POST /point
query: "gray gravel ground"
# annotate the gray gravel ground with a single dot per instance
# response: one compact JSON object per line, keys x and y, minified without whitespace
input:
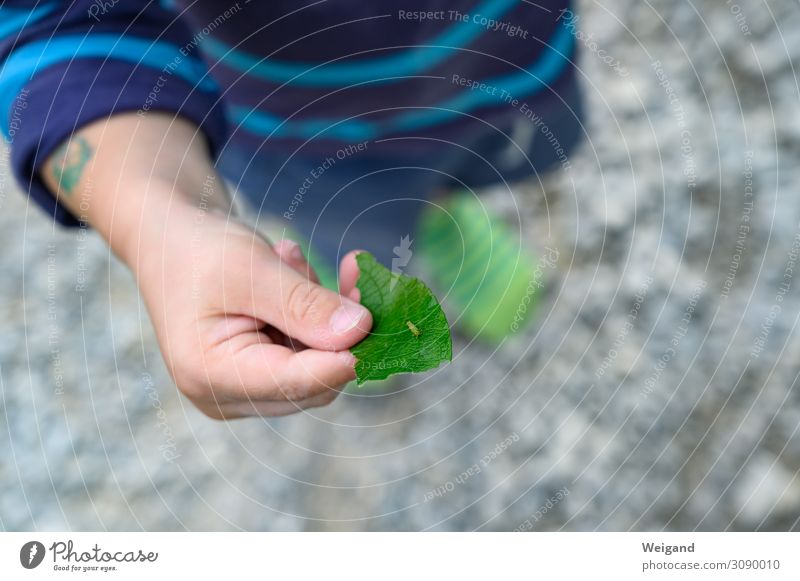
{"x":658,"y":389}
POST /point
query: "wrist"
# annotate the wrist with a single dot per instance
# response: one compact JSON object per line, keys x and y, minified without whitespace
{"x":156,"y":217}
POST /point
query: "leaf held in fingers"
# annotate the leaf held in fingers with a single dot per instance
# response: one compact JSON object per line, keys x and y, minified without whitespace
{"x":409,"y":331}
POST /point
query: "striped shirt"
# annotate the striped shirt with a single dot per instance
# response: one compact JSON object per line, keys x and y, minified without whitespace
{"x":275,"y":75}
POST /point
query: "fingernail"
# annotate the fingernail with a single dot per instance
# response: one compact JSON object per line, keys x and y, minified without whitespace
{"x":346,"y":317}
{"x":295,"y":252}
{"x":347,"y":358}
{"x":289,"y":250}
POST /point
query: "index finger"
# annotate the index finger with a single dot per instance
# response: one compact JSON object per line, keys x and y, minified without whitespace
{"x":270,"y":372}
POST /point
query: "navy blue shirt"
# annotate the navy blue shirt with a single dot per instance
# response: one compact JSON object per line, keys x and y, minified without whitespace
{"x":274,"y":75}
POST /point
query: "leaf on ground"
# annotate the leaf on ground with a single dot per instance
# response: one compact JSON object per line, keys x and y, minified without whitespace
{"x":409,"y":331}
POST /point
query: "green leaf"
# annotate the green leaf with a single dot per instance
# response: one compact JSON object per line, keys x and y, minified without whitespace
{"x":409,"y":331}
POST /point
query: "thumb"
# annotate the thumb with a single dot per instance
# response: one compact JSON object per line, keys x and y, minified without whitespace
{"x":310,"y":313}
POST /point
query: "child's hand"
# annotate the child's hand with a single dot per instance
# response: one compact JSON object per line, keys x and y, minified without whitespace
{"x":245,"y":328}
{"x":223,"y":302}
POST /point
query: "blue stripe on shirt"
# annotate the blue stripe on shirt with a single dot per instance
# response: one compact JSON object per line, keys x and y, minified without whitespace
{"x":519,"y":84}
{"x":13,"y":20}
{"x":28,"y":60}
{"x":410,"y":62}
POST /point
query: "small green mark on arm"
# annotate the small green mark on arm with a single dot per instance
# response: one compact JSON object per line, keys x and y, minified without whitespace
{"x":413,"y":328}
{"x":69,"y":161}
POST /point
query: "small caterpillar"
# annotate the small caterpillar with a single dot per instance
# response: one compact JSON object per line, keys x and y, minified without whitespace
{"x":413,"y":328}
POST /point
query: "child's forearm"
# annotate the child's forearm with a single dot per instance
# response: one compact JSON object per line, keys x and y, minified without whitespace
{"x":126,"y":174}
